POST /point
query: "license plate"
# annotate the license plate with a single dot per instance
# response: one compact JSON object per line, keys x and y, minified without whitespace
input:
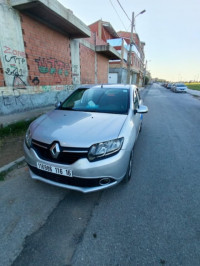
{"x":54,"y":170}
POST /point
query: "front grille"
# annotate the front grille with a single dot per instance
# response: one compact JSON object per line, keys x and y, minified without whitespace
{"x":72,"y":181}
{"x":66,"y":155}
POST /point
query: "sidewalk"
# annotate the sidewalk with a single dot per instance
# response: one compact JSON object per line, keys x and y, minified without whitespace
{"x":193,"y":92}
{"x":13,"y":118}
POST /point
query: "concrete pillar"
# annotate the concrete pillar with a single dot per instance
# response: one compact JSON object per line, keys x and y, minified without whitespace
{"x":100,"y":29}
{"x":75,"y":59}
{"x":95,"y":60}
{"x":12,"y":52}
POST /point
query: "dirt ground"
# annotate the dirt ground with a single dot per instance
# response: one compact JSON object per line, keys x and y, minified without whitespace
{"x":11,"y":148}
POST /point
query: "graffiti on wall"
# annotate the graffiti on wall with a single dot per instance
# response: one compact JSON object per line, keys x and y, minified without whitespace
{"x":14,"y":99}
{"x":16,"y":96}
{"x":15,"y":67}
{"x":54,"y":67}
{"x":36,"y":81}
{"x":76,"y":74}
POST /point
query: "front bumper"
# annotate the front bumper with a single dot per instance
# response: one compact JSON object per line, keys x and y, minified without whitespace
{"x":87,"y":176}
{"x":181,"y":90}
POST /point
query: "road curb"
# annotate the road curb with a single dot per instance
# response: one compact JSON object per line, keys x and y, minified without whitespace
{"x":12,"y":165}
{"x":193,"y":92}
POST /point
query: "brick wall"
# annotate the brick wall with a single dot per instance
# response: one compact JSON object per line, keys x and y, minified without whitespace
{"x":100,"y":41}
{"x":49,"y":60}
{"x":87,"y":65}
{"x":94,"y":27}
{"x":106,"y":35}
{"x":87,"y":62}
{"x":98,"y":26}
{"x":95,"y":40}
{"x":91,"y":39}
{"x":102,"y":65}
{"x":47,"y":54}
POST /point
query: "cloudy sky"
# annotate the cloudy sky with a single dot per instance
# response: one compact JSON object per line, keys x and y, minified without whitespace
{"x":170,"y":29}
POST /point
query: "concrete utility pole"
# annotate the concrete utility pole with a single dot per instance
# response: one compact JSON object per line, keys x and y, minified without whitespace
{"x":128,"y":81}
{"x":144,"y":74}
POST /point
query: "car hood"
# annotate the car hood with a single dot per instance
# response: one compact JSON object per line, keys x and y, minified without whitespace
{"x":77,"y":129}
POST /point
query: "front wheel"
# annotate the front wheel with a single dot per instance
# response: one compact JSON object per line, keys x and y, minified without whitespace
{"x":128,"y":174}
{"x":140,"y":127}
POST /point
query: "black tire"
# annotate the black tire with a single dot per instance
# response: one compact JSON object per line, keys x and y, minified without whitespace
{"x":128,"y":174}
{"x":140,"y":128}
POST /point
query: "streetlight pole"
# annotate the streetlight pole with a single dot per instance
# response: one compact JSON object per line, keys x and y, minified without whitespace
{"x":144,"y":74}
{"x":130,"y":51}
{"x":128,"y":81}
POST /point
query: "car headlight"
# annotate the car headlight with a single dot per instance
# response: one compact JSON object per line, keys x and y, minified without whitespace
{"x":28,"y":138}
{"x":103,"y":149}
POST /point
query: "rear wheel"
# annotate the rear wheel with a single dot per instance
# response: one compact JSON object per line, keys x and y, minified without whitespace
{"x":128,"y":174}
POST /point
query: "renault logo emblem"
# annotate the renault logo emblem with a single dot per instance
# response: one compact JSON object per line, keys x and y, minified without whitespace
{"x":55,"y":150}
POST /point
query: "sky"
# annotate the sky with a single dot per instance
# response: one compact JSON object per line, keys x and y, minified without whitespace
{"x":169,"y":28}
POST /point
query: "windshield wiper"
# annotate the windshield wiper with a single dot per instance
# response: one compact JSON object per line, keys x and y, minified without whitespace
{"x":66,"y":108}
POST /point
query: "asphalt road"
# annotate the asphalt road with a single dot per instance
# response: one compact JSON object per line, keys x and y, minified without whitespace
{"x":154,"y":220}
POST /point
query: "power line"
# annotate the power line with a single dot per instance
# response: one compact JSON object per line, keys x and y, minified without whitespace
{"x":123,"y":10}
{"x":118,"y":15}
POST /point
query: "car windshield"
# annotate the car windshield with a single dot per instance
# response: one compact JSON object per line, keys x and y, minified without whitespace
{"x":102,"y":100}
{"x":180,"y":85}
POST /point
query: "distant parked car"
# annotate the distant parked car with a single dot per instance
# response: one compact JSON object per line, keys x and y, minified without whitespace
{"x":169,"y":86}
{"x":179,"y":87}
{"x":165,"y":85}
{"x":86,"y":143}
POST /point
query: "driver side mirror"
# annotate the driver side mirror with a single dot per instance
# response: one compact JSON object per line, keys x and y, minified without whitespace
{"x":142,"y":109}
{"x":58,"y":104}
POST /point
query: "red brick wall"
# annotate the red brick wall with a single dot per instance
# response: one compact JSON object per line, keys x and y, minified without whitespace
{"x":91,"y":39}
{"x":48,"y":56}
{"x":102,"y":66}
{"x":100,"y":41}
{"x":127,"y":36}
{"x":94,"y":27}
{"x":1,"y":76}
{"x":87,"y":65}
{"x":47,"y":53}
{"x":106,"y":35}
{"x":95,"y":40}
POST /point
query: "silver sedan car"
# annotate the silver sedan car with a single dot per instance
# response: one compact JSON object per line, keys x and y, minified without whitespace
{"x":179,"y":87}
{"x":86,"y":143}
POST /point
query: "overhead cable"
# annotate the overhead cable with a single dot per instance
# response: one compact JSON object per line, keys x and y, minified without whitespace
{"x":124,"y":10}
{"x":118,"y":15}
